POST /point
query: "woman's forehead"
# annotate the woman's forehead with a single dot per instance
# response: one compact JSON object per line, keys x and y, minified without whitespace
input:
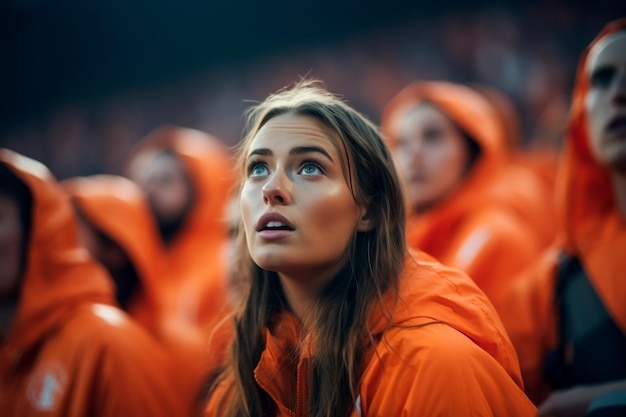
{"x":286,"y":130}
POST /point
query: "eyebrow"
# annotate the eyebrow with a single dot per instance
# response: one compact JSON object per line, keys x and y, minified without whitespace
{"x":295,"y":151}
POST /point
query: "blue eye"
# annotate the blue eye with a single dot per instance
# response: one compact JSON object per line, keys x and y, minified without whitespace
{"x":311,"y":168}
{"x":257,"y":169}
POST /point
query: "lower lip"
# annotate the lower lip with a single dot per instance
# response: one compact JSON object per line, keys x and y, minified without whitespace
{"x":274,"y":234}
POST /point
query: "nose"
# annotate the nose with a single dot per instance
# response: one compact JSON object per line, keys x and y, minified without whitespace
{"x":415,"y":148}
{"x":276,"y":189}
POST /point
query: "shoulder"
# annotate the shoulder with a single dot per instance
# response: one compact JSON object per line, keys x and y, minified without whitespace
{"x":426,"y":343}
{"x":461,"y":378}
{"x":106,"y":329}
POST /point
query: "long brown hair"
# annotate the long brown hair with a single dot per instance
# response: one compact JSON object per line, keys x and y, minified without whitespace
{"x":375,"y":259}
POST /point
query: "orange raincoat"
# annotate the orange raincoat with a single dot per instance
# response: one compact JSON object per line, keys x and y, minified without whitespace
{"x":479,"y":228}
{"x":118,"y":208}
{"x":70,"y":352}
{"x":532,"y":171}
{"x":590,"y":228}
{"x":446,"y":355}
{"x":196,"y":288}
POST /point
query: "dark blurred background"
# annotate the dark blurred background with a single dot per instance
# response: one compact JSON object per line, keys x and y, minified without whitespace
{"x":82,"y":81}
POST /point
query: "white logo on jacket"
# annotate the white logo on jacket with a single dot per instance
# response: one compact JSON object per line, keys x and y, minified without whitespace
{"x":46,"y":387}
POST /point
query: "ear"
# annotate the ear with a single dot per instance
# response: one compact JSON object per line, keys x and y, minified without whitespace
{"x":366,"y":221}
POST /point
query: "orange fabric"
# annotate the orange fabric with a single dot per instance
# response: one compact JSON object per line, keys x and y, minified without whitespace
{"x":117,"y":207}
{"x":590,"y":228}
{"x":479,"y":228}
{"x":69,"y":351}
{"x":196,"y":289}
{"x":532,"y":172}
{"x":455,"y":360}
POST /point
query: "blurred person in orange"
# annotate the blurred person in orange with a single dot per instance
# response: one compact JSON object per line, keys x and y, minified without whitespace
{"x":117,"y":227}
{"x":533,"y":171}
{"x":65,"y":348}
{"x":450,"y":151}
{"x":567,"y":313}
{"x":187,"y":177}
{"x":338,"y":317}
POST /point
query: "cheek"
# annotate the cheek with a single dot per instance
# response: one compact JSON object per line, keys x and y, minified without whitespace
{"x":447,"y":166}
{"x":595,"y":121}
{"x":334,"y":211}
{"x":171,"y":198}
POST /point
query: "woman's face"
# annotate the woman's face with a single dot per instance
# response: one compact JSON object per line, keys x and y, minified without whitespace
{"x":298,"y":211}
{"x":168,"y":188}
{"x":606,"y":102}
{"x":432,"y":155}
{"x":10,"y":244}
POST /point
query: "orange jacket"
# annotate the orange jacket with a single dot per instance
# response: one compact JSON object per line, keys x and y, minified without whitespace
{"x":459,"y":363}
{"x":481,"y":228}
{"x":196,"y":288}
{"x":532,"y":172}
{"x":117,"y":207}
{"x":590,"y":228}
{"x":69,"y":351}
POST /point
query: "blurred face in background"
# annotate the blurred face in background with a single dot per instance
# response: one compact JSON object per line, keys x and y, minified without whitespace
{"x":10,"y":245}
{"x":432,"y":155}
{"x":606,"y":102}
{"x":169,"y":191}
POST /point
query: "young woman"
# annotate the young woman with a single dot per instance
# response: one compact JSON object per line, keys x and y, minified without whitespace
{"x":467,"y":208}
{"x":567,"y":315}
{"x":337,"y":318}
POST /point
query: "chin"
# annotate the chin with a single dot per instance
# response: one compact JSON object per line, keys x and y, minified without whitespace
{"x":270,"y":262}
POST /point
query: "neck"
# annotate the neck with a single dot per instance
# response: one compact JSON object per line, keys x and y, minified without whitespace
{"x":302,"y":292}
{"x":301,"y":298}
{"x":619,"y":188}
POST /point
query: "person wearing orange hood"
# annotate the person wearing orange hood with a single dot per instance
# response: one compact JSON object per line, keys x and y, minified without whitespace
{"x":533,"y":171}
{"x":65,"y":349}
{"x":338,"y":318}
{"x":447,"y":144}
{"x":187,"y":177}
{"x":118,"y":229}
{"x":567,"y":314}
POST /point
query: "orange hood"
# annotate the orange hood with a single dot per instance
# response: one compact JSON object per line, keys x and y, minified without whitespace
{"x":59,"y":275}
{"x":118,"y":208}
{"x":210,"y":167}
{"x":196,"y":264}
{"x":591,"y":227}
{"x":472,"y":113}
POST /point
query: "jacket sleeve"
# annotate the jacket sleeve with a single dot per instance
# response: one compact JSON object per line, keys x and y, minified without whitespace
{"x":435,"y":370}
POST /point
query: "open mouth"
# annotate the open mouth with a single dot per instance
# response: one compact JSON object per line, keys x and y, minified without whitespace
{"x":275,"y":225}
{"x":274,"y":222}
